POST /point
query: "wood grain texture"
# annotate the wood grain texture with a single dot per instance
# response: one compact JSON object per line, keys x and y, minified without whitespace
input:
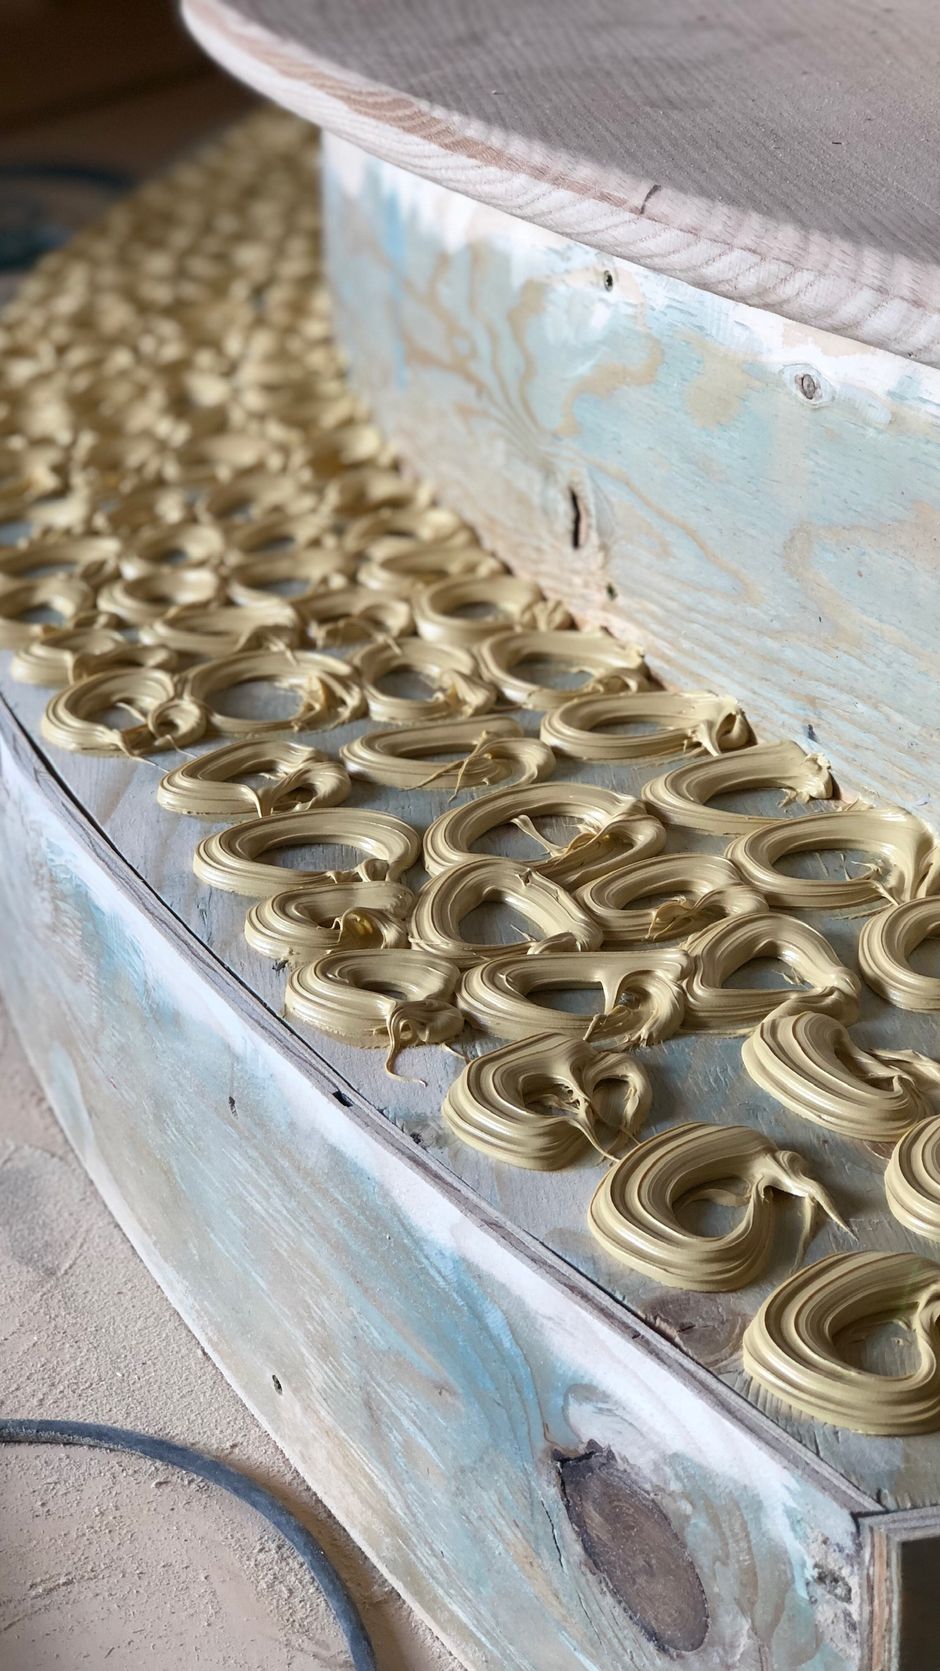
{"x":755,"y":502}
{"x":780,"y":155}
{"x":429,"y":1368}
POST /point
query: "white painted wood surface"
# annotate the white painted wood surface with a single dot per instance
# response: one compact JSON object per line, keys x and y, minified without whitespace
{"x":781,"y":155}
{"x":757,"y":503}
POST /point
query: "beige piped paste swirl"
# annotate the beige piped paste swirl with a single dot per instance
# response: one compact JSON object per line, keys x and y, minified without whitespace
{"x":234,"y":859}
{"x":702,"y":888}
{"x":224,"y":629}
{"x":612,"y":828}
{"x":727,"y":946}
{"x":436,"y":609}
{"x":635,"y":1210}
{"x":354,"y":615}
{"x":72,"y":600}
{"x":682,"y":796}
{"x":453,"y":893}
{"x":641,"y":991}
{"x":495,"y":746}
{"x":884,"y":950}
{"x":67,"y":654}
{"x":541,"y":1102}
{"x":386,"y":999}
{"x":302,"y":923}
{"x":912,"y":1179}
{"x":792,"y":1347}
{"x":458,"y":688}
{"x":683,"y":721}
{"x":906,"y":866}
{"x":166,"y":716}
{"x":810,"y":1063}
{"x":328,"y":693}
{"x":210,"y":787}
{"x":611,"y":666}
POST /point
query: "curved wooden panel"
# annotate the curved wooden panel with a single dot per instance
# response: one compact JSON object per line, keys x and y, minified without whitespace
{"x":446,"y":1384}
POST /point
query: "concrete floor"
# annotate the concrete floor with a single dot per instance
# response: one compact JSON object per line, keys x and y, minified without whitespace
{"x":108,"y":1560}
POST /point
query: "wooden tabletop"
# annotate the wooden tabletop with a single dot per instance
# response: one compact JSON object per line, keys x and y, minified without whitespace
{"x":782,"y":152}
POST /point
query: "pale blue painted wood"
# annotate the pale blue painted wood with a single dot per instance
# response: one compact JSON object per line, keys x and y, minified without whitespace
{"x":757,"y":501}
{"x":433,"y":1366}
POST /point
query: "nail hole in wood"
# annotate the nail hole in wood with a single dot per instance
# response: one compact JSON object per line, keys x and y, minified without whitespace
{"x":611,"y":590}
{"x":632,"y":1544}
{"x":608,"y":281}
{"x":343,"y":1100}
{"x":276,"y":1384}
{"x":807,"y":385}
{"x":232,"y":1109}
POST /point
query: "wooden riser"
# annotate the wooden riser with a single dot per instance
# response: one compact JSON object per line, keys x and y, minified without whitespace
{"x":756,"y":501}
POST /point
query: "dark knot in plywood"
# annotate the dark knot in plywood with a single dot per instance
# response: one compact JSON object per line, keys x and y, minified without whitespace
{"x":632,"y":1544}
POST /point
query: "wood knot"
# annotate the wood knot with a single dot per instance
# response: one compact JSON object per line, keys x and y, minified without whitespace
{"x":632,"y":1544}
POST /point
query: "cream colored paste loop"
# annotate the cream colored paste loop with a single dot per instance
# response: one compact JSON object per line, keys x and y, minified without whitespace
{"x":403,"y":520}
{"x":70,"y":598}
{"x":702,"y":888}
{"x":328,"y":692}
{"x":912,"y":1180}
{"x":211,"y":786}
{"x":437,"y":609}
{"x":296,"y":531}
{"x":452,"y":894}
{"x":726,"y":947}
{"x":682,"y":796}
{"x":906,"y":858}
{"x":399,"y":572}
{"x":641,"y":992}
{"x":541,"y":1102}
{"x":809,"y":1062}
{"x":85,"y":662}
{"x":388,"y":999}
{"x":609,"y":664}
{"x":580,"y":727}
{"x":256,"y":579}
{"x":64,"y":655}
{"x":300,"y":923}
{"x":143,"y":508}
{"x":457,"y":688}
{"x":404,"y":756}
{"x":884,"y":950}
{"x":147,"y":597}
{"x":165,"y":717}
{"x":636,"y":1210}
{"x":91,"y":558}
{"x":235,"y":860}
{"x":612,"y":828}
{"x":224,"y":629}
{"x":253,"y":494}
{"x":176,"y":547}
{"x":793,"y":1347}
{"x":354,"y":615}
